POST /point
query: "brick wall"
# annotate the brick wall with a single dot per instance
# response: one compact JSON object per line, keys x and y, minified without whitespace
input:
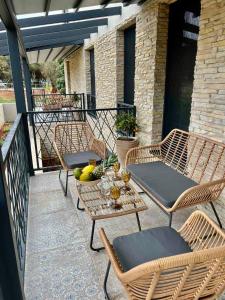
{"x":208,"y":100}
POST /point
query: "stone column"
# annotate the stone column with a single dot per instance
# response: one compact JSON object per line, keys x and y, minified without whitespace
{"x":151,"y":50}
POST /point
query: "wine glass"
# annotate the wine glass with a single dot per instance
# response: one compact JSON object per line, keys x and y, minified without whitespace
{"x":115,"y":194}
{"x":105,"y":186}
{"x":92,"y":162}
{"x":116,"y":168}
{"x":126,"y":178}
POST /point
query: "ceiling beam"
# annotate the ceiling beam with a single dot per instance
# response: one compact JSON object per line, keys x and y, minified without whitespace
{"x":47,"y":7}
{"x":75,"y":42}
{"x":57,"y":42}
{"x":58,"y":54}
{"x":44,"y":39}
{"x":70,"y":51}
{"x":38,"y":55}
{"x":104,"y":3}
{"x":77,"y":4}
{"x":8,"y":18}
{"x":49,"y":53}
{"x":127,"y":2}
{"x":67,"y":17}
{"x":59,"y":28}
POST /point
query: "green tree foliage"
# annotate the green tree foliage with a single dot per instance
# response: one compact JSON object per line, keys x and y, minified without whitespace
{"x":5,"y":69}
{"x":60,"y":82}
{"x":50,"y":72}
{"x":36,"y":72}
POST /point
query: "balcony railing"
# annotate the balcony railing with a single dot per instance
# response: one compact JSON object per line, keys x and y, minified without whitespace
{"x":102,"y":122}
{"x":48,"y":102}
{"x":15,"y":169}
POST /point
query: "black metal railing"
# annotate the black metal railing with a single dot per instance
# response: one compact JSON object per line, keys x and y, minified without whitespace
{"x":49,"y":102}
{"x":15,"y":167}
{"x":43,"y":124}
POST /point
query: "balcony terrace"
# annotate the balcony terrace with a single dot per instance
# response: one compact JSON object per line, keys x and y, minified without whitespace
{"x":59,"y":261}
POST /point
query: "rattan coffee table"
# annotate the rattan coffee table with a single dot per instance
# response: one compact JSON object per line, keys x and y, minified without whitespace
{"x":97,"y":207}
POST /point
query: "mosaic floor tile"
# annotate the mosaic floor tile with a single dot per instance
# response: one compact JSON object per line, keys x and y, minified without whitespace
{"x":59,"y":262}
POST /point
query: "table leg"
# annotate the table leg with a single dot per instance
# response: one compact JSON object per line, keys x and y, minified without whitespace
{"x":92,"y":237}
{"x":78,"y":207}
{"x":138,"y":221}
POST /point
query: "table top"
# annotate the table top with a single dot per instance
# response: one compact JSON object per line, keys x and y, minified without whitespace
{"x":96,"y":205}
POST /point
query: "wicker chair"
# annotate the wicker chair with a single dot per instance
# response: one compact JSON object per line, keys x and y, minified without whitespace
{"x":185,"y":169}
{"x":75,"y":144}
{"x":197,"y":272}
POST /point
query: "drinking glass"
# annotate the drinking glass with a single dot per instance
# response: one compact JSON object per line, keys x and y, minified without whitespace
{"x":115,"y":194}
{"x":92,"y":162}
{"x":105,"y":186}
{"x":126,"y":178}
{"x":116,"y":168}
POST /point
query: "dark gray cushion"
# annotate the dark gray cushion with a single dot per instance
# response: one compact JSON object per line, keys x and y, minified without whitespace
{"x":137,"y":248}
{"x":80,"y":159}
{"x":161,"y":181}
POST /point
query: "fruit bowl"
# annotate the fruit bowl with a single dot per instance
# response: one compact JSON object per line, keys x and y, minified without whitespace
{"x":89,"y":175}
{"x":88,"y":183}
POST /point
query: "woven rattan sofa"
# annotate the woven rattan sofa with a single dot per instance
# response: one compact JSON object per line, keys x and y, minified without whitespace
{"x":161,"y":263}
{"x":185,"y":169}
{"x":75,"y":144}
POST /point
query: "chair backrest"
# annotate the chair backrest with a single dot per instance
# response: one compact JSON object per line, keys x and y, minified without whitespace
{"x":195,"y":156}
{"x":73,"y":137}
{"x":197,"y":274}
{"x":188,"y":276}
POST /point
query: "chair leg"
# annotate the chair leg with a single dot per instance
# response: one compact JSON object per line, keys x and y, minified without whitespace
{"x":216,"y":214}
{"x":60,"y":180}
{"x":170,"y":219}
{"x":138,"y":221}
{"x":105,"y":281}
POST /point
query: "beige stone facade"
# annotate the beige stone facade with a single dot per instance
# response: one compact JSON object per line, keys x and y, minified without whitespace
{"x":208,"y":100}
{"x":75,"y":72}
{"x":151,"y":46}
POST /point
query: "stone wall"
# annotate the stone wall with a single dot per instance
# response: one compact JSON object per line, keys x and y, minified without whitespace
{"x":151,"y":48}
{"x":75,"y":72}
{"x":208,"y":100}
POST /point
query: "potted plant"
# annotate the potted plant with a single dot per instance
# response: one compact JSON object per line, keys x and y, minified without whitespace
{"x":126,"y":126}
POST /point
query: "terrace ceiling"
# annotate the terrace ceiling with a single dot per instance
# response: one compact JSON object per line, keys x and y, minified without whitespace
{"x":50,"y":35}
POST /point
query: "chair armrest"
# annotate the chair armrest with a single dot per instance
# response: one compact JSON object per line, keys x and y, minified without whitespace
{"x":201,"y":233}
{"x":143,"y":154}
{"x":99,"y":147}
{"x":201,"y":193}
{"x":59,"y":156}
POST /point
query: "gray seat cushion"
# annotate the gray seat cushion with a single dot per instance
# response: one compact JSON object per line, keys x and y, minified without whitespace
{"x":137,"y":248}
{"x":80,"y":159}
{"x":163,"y":182}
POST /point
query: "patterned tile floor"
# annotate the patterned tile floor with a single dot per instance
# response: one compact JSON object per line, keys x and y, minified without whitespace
{"x":59,"y":263}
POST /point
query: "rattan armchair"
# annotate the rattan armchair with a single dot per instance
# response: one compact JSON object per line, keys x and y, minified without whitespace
{"x":184,"y":170}
{"x":197,"y":274}
{"x":75,"y":144}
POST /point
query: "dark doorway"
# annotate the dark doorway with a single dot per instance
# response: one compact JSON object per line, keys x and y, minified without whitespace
{"x":181,"y":56}
{"x":129,"y":64}
{"x":92,"y":71}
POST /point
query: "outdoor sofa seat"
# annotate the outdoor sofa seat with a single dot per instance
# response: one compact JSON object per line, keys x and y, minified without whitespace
{"x":184,"y":170}
{"x":75,"y":144}
{"x":165,"y":183}
{"x":162,"y":263}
